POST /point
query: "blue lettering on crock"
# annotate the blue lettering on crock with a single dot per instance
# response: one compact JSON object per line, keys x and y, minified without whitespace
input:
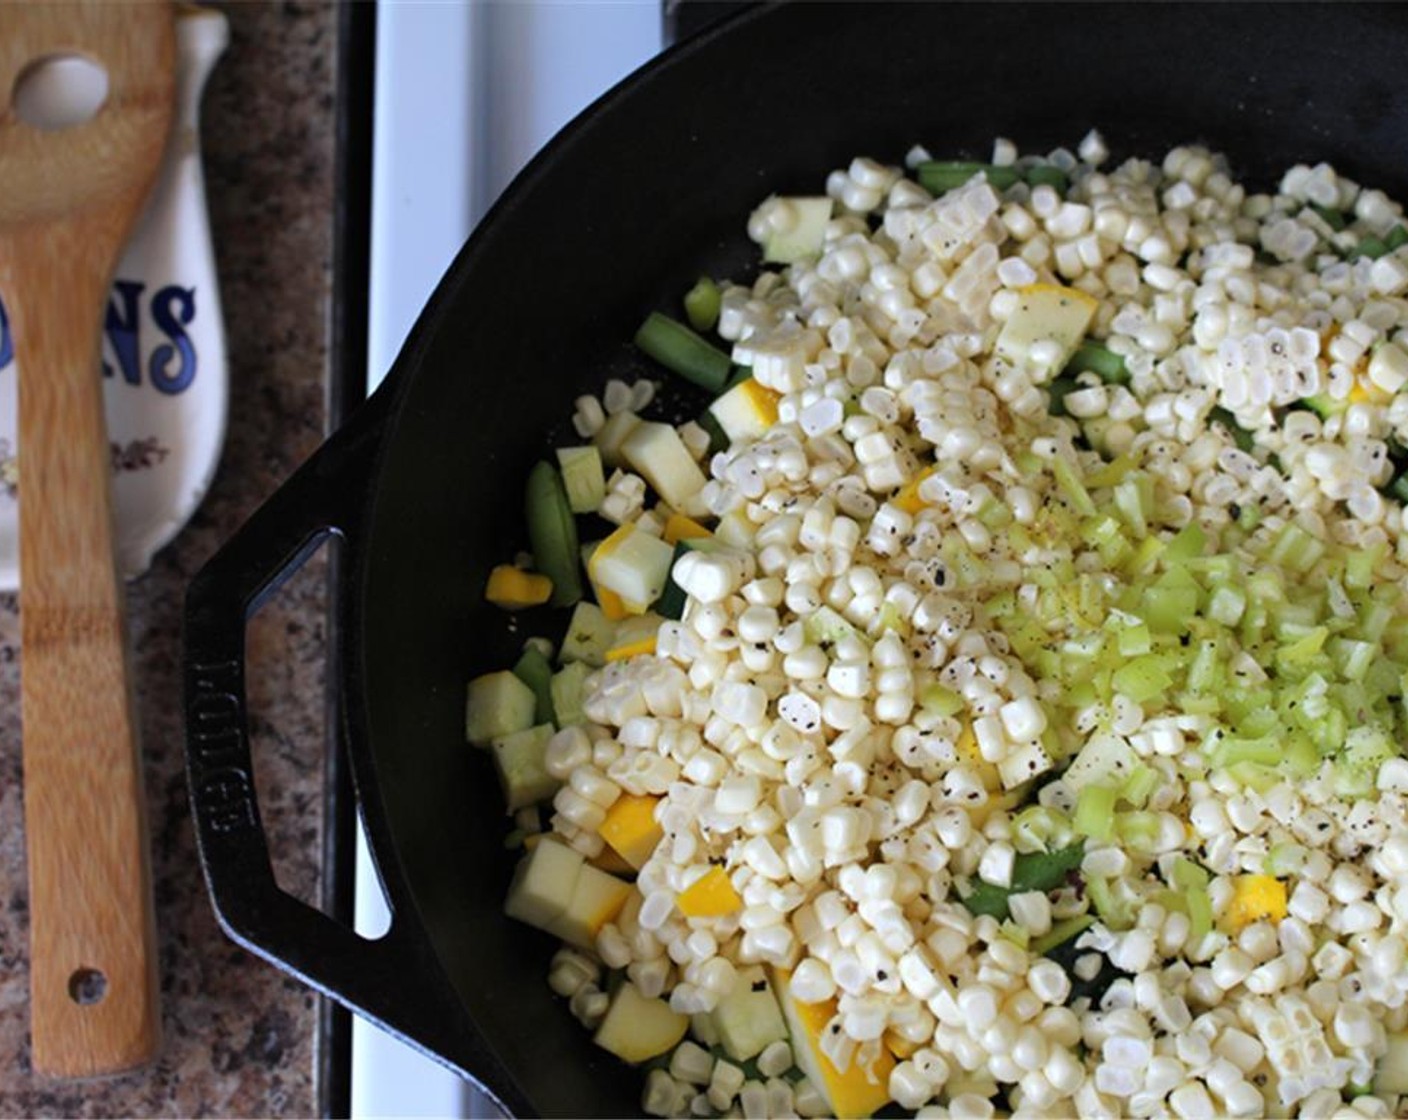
{"x":172,"y":309}
{"x":7,"y":346}
{"x":172,"y":365}
{"x":121,"y":325}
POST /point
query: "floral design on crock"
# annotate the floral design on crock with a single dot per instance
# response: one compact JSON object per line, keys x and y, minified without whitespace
{"x":137,"y":455}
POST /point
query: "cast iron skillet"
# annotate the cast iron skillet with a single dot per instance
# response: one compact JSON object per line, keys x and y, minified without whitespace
{"x":649,"y":187}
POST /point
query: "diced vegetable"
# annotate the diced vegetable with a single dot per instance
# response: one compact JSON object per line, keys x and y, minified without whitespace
{"x":681,"y":528}
{"x":1254,"y":898}
{"x":582,"y":477}
{"x":852,"y":1093}
{"x":712,"y":895}
{"x":637,"y":647}
{"x":797,"y":229}
{"x":568,"y":688}
{"x":589,"y":635}
{"x":552,"y":532}
{"x":631,"y":828}
{"x":747,"y":411}
{"x":658,"y":455}
{"x":597,"y":897}
{"x":633,"y":564}
{"x":518,"y":758}
{"x":1045,"y":327}
{"x":637,"y":1029}
{"x":543,"y":883}
{"x":497,"y":704}
{"x":749,"y":1019}
{"x":513,"y":589}
{"x":612,"y":435}
{"x":680,"y":350}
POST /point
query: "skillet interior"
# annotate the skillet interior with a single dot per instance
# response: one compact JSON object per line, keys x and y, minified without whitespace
{"x":622,"y":213}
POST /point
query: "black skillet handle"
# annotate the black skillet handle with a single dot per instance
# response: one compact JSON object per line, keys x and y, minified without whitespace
{"x":324,"y":497}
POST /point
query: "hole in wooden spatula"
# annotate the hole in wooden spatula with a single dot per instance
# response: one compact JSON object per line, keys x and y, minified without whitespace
{"x":60,"y":91}
{"x":87,"y":986}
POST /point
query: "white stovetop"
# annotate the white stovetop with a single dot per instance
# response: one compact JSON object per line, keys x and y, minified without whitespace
{"x":465,"y":94}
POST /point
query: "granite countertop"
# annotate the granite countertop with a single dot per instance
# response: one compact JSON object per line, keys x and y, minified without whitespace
{"x":240,"y":1037}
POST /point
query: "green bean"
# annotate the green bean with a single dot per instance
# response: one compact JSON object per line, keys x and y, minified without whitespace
{"x":553,"y":533}
{"x":534,"y":671}
{"x":939,"y":176}
{"x":1031,"y":871}
{"x":1048,"y":175}
{"x":1093,"y":357}
{"x":680,"y":350}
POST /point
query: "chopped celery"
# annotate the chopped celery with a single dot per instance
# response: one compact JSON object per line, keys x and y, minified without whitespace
{"x":1016,"y":934}
{"x":1115,"y":907}
{"x":1060,"y":933}
{"x":1359,"y":566}
{"x":825,"y":627}
{"x":1296,"y":549}
{"x":1138,"y":829}
{"x":1039,"y":826}
{"x":1254,"y":776}
{"x":1095,"y":812}
{"x":1134,"y":501}
{"x":1227,"y":751}
{"x":1186,"y":544}
{"x":1139,"y":785}
{"x":1111,"y":473}
{"x":1142,"y":678}
{"x":1187,"y":875}
{"x":1199,"y":913}
{"x":1168,"y":606}
{"x":1134,"y":640}
{"x":1068,"y":479}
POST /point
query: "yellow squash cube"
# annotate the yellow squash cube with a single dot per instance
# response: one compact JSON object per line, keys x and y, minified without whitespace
{"x":746,"y":411}
{"x":513,"y":589}
{"x":1254,"y":898}
{"x":853,"y":1093}
{"x":710,"y":896}
{"x":630,"y":828}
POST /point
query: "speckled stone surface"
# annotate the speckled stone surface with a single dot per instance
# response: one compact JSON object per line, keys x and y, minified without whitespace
{"x":239,"y":1036}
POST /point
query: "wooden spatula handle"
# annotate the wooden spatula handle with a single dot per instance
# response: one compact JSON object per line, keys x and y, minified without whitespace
{"x":93,"y":976}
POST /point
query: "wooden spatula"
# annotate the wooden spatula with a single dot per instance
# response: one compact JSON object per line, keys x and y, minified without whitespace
{"x":68,"y":199}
